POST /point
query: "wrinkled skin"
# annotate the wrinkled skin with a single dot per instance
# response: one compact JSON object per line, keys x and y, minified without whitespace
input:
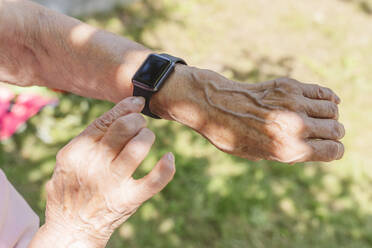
{"x":282,"y":120}
{"x":92,"y":190}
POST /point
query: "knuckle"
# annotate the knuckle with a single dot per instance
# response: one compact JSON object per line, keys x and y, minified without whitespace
{"x":289,"y":85}
{"x":319,"y":92}
{"x":323,"y":92}
{"x":298,"y":104}
{"x":286,"y":122}
{"x":287,"y":80}
{"x":280,"y":82}
{"x":115,"y":112}
{"x":105,"y":121}
{"x":291,"y":150}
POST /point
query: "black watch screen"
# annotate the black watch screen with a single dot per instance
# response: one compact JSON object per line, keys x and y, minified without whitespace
{"x":152,"y":70}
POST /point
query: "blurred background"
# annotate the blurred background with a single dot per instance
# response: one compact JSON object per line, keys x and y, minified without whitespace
{"x":217,"y":200}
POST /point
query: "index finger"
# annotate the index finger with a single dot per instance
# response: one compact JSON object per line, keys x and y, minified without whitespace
{"x":98,"y":128}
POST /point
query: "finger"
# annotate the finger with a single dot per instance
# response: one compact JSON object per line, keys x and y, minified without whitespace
{"x":156,"y":180}
{"x":97,"y":129}
{"x":321,"y":109}
{"x":121,"y":131}
{"x":324,"y":129}
{"x":315,"y":91}
{"x":133,"y":154}
{"x":325,"y":150}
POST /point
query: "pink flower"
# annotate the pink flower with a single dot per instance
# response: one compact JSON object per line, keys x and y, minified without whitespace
{"x":12,"y":116}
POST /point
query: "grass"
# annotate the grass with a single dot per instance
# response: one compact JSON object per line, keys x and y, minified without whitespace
{"x":217,"y":200}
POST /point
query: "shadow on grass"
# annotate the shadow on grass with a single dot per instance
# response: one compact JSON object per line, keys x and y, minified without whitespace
{"x":364,"y":5}
{"x":215,"y":200}
{"x":138,"y":17}
{"x":264,"y":68}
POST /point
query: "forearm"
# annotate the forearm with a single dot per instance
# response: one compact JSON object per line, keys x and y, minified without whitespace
{"x":57,"y":51}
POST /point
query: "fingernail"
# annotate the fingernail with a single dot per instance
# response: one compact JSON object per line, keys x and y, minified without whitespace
{"x":138,"y":100}
{"x":170,"y":156}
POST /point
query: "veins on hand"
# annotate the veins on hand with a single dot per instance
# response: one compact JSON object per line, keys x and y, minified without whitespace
{"x":241,"y":110}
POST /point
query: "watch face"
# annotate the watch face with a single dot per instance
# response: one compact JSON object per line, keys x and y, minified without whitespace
{"x":152,"y":70}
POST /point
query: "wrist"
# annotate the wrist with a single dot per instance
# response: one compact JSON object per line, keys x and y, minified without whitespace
{"x":167,"y":102}
{"x":183,"y":97}
{"x":61,"y":236}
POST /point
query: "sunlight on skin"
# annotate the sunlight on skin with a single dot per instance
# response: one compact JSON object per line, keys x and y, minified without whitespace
{"x":221,"y":134}
{"x":81,"y":34}
{"x":289,"y":123}
{"x":133,"y":59}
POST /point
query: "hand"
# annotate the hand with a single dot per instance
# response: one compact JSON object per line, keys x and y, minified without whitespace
{"x":92,"y":190}
{"x":282,"y":119}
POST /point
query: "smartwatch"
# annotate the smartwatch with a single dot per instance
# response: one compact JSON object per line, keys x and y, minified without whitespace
{"x":151,"y":76}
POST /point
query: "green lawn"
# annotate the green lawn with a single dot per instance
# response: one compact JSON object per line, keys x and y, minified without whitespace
{"x":217,"y":200}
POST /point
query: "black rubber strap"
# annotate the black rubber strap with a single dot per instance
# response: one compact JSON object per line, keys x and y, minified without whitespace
{"x":137,"y":91}
{"x":174,"y":59}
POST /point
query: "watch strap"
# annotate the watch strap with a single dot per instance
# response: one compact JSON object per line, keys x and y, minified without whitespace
{"x":137,"y":91}
{"x":173,"y":59}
